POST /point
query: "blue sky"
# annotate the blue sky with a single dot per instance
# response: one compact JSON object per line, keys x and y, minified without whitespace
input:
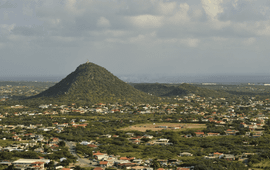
{"x":154,"y":37}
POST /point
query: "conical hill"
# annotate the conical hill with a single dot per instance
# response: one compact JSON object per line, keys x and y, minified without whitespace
{"x":93,"y":83}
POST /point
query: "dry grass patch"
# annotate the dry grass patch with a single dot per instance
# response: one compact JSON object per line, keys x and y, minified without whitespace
{"x":157,"y":126}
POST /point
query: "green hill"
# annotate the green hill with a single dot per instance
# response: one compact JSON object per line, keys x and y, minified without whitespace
{"x":169,"y":90}
{"x":92,"y":83}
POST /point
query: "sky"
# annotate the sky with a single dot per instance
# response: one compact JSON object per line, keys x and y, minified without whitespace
{"x":135,"y":37}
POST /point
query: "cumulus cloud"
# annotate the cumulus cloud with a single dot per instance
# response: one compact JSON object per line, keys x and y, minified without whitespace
{"x":191,"y":42}
{"x":27,"y":10}
{"x":146,"y":30}
{"x":103,"y":22}
{"x":212,"y":7}
{"x":249,"y":41}
{"x":146,"y":21}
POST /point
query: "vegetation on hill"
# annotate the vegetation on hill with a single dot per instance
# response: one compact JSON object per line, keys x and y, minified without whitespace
{"x":260,"y":91}
{"x":178,"y":90}
{"x":91,"y":83}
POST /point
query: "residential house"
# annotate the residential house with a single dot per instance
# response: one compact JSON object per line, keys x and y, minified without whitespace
{"x":30,"y":164}
{"x":199,"y":134}
{"x":99,"y":155}
{"x":229,"y":157}
{"x":213,"y":134}
{"x":185,"y":154}
{"x":231,"y":132}
{"x":103,"y":164}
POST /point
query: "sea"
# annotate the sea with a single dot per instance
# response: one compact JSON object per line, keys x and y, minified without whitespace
{"x":219,"y":79}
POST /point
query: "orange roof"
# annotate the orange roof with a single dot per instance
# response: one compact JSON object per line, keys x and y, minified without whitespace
{"x":216,"y":153}
{"x":103,"y":162}
{"x":180,"y":168}
{"x":123,"y":158}
{"x":98,"y":168}
{"x":199,"y":133}
{"x":98,"y":153}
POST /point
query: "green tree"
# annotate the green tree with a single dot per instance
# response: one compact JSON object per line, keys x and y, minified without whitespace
{"x":62,"y":144}
{"x":155,"y":164}
{"x":50,"y":165}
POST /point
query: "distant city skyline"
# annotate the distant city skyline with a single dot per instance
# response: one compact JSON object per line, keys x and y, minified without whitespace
{"x":135,"y":37}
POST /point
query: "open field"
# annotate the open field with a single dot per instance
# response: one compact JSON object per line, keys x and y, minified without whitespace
{"x":262,"y":165}
{"x":170,"y":126}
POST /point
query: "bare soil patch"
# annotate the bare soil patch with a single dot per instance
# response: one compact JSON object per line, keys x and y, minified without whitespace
{"x":161,"y":126}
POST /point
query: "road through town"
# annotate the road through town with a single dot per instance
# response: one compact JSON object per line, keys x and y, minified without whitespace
{"x":83,"y":162}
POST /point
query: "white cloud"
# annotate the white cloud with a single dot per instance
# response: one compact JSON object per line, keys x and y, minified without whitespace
{"x":6,"y":29}
{"x":249,"y":41}
{"x":181,"y":15}
{"x":235,"y":3}
{"x":212,"y":7}
{"x":27,"y":10}
{"x":136,"y":28}
{"x":5,"y":16}
{"x":145,"y":39}
{"x":191,"y":42}
{"x":103,"y":22}
{"x":197,"y":13}
{"x":166,"y":8}
{"x":262,"y":28}
{"x":146,"y":21}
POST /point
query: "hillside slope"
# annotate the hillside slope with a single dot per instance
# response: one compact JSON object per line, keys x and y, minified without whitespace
{"x":93,"y":83}
{"x":163,"y":90}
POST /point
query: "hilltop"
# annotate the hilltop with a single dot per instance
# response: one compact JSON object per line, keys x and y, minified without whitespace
{"x":92,"y":83}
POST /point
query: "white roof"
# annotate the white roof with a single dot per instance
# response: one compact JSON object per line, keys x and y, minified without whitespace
{"x":29,"y":161}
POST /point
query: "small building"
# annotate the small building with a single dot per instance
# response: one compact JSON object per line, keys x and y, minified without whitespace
{"x":185,"y":154}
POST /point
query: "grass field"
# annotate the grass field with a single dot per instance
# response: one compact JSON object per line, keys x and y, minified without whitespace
{"x":262,"y":165}
{"x":154,"y":127}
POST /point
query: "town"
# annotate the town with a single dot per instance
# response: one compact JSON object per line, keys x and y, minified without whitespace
{"x":168,"y":135}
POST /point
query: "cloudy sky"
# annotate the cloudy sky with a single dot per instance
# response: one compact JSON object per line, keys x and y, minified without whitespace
{"x":148,"y":37}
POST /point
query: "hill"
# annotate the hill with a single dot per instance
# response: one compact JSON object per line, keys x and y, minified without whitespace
{"x":169,"y":90}
{"x":92,"y":83}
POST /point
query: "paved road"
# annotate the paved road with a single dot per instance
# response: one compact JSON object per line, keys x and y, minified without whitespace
{"x":83,"y":162}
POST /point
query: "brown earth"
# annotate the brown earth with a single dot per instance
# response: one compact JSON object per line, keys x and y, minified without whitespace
{"x":154,"y":126}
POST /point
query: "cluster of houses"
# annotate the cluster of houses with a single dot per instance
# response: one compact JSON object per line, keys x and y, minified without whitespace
{"x":33,"y":141}
{"x":104,"y":161}
{"x":252,"y":115}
